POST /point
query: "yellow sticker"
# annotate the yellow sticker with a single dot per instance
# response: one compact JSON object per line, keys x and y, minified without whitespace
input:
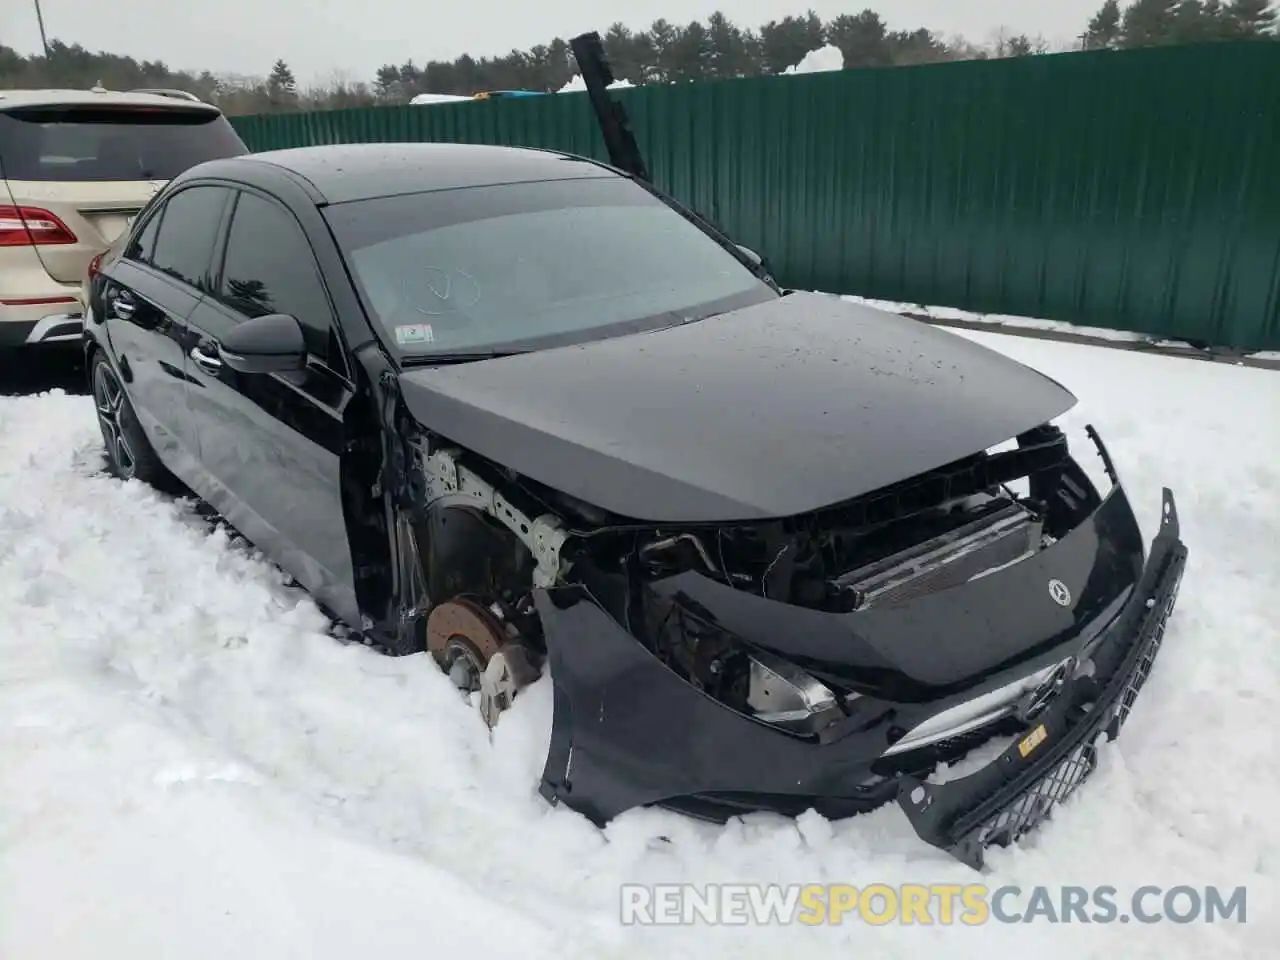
{"x":1032,"y":740}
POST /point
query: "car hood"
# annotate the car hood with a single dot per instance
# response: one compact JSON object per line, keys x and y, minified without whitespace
{"x":769,"y":411}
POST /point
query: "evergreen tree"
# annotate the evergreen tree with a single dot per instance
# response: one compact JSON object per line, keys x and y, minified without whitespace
{"x":728,"y":54}
{"x":560,"y":65}
{"x":439,"y":76}
{"x":663,"y":37}
{"x":645,"y":51}
{"x":1148,"y":23}
{"x":690,"y":54}
{"x":907,"y":47}
{"x":620,"y":49}
{"x":1214,"y":19}
{"x":784,"y":43}
{"x":1250,"y":18}
{"x":861,"y":38}
{"x":1020,"y":45}
{"x":282,"y":88}
{"x":281,"y":78}
{"x":1199,"y":21}
{"x":387,"y":82}
{"x":1104,"y":29}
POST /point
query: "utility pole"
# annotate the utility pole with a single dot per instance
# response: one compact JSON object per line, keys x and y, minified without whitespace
{"x":44,"y":41}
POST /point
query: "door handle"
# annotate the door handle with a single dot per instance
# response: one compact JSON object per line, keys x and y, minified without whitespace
{"x":206,"y":362}
{"x":122,"y":305}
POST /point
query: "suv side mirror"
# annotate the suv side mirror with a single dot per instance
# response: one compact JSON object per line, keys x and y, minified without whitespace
{"x":273,"y":343}
{"x":751,"y":255}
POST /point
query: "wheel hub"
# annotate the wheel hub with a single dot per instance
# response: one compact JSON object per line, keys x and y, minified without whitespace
{"x":463,"y":636}
{"x":480,"y":653}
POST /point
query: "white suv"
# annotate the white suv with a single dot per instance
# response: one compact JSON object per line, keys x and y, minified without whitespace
{"x":75,"y":167}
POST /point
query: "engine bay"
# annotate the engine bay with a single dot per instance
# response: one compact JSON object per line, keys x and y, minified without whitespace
{"x":945,"y":528}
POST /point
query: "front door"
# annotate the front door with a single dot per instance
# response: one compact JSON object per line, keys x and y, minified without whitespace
{"x":271,"y":444}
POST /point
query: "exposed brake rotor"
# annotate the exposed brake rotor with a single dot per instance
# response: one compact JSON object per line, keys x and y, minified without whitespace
{"x":479,"y":652}
{"x":463,"y":625}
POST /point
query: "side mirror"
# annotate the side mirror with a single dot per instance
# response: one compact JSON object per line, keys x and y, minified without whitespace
{"x":269,"y":344}
{"x":751,"y":255}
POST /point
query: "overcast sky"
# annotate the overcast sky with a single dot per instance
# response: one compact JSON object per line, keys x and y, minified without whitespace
{"x":353,"y":37}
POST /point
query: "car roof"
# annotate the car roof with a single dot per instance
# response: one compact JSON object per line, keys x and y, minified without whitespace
{"x":97,"y":97}
{"x":341,"y":173}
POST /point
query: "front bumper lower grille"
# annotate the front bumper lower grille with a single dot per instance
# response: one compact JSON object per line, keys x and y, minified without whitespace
{"x":1007,"y":799}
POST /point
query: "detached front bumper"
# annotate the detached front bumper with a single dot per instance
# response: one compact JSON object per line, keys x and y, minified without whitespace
{"x":629,"y":732}
{"x":1006,"y":799}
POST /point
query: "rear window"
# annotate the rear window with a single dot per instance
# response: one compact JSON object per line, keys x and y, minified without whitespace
{"x":117,"y":143}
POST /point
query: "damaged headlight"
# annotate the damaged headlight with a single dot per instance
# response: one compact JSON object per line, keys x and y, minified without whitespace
{"x":752,"y":681}
{"x":782,"y":694}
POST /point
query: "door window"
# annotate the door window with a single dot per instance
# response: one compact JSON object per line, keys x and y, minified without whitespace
{"x":143,"y":245}
{"x":270,"y":268}
{"x":188,"y":229}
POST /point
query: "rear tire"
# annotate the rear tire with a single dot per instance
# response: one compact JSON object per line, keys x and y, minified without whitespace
{"x":129,"y":453}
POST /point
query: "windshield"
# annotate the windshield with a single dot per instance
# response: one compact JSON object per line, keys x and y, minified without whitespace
{"x":111,"y":143}
{"x":530,"y":265}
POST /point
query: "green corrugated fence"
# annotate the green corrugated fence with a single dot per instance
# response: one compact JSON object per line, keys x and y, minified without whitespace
{"x":1135,"y":190}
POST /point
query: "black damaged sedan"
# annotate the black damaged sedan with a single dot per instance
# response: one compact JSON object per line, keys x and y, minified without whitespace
{"x":522,"y":411}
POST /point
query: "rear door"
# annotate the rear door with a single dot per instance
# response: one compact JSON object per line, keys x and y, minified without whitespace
{"x":272,"y":443}
{"x":92,"y":167}
{"x":148,"y":294}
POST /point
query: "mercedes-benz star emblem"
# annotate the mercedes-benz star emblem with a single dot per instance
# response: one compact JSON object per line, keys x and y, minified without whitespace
{"x":1059,"y":592}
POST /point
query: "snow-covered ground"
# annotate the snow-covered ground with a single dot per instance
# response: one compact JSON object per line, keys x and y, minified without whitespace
{"x":999,"y":320}
{"x":1013,"y":324}
{"x":190,"y":767}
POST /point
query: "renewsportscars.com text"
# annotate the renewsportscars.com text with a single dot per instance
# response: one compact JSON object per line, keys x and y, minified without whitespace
{"x":925,"y":904}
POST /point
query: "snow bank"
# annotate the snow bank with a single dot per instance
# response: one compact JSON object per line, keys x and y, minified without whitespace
{"x":427,"y":99}
{"x":819,"y":61}
{"x":577,"y":83}
{"x":190,"y":766}
{"x":996,"y":321}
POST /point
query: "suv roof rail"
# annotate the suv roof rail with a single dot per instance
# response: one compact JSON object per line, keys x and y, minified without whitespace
{"x":166,"y":92}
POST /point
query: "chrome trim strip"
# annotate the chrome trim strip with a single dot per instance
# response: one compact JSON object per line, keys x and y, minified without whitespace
{"x":972,"y":714}
{"x":39,"y":332}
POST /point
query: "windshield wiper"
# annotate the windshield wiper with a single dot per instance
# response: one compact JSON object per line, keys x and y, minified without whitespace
{"x":440,"y":359}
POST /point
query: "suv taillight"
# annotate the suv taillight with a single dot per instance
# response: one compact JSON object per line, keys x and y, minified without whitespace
{"x":94,"y":266}
{"x":28,"y":226}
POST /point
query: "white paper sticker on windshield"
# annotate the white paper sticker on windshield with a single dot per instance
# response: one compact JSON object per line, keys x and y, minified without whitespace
{"x":412,"y":333}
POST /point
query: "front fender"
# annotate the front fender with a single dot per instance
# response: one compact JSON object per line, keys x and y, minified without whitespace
{"x":628,"y":731}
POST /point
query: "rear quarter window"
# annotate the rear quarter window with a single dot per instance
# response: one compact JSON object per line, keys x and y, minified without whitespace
{"x":125,"y":143}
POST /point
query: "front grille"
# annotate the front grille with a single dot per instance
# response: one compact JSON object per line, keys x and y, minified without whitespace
{"x":1145,"y":662}
{"x":1036,"y":802}
{"x":1036,"y":805}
